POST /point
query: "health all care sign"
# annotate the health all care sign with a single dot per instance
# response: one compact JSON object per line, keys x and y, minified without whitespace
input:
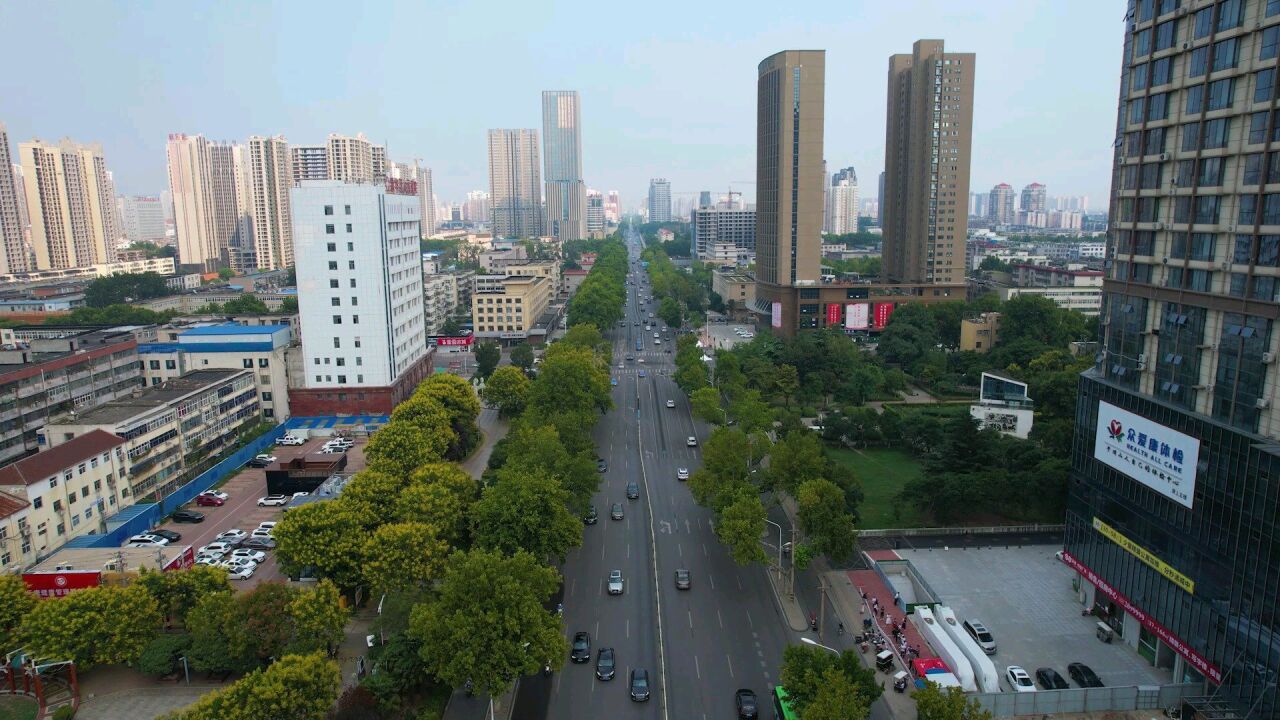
{"x":1156,"y":456}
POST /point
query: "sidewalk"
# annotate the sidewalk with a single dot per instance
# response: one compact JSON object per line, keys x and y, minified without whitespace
{"x":494,"y":429}
{"x":846,"y":601}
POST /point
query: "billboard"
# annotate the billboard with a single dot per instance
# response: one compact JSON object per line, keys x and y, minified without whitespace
{"x":833,"y":314}
{"x":777,"y":315}
{"x":57,"y":584}
{"x":445,"y":341}
{"x":183,"y":560}
{"x":881,"y":314}
{"x":1156,"y":456}
{"x":856,"y":316}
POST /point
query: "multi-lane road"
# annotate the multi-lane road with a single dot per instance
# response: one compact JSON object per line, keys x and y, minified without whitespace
{"x":698,"y":645}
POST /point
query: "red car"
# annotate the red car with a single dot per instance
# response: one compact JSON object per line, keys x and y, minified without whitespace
{"x":209,"y":501}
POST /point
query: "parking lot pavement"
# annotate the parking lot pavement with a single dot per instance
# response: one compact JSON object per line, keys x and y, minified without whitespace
{"x":1024,"y":597}
{"x":723,"y":335}
{"x":241,"y":509}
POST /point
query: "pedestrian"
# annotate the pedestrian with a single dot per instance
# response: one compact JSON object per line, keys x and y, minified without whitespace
{"x":897,"y":598}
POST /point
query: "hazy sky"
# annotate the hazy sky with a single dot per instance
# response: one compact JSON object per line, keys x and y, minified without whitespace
{"x":668,"y":88}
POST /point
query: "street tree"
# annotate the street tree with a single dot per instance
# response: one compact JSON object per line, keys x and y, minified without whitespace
{"x":404,"y":556}
{"x":750,"y":412}
{"x":740,"y":526}
{"x":827,"y":526}
{"x":459,"y":400}
{"x":398,"y":448}
{"x":934,"y":703}
{"x":570,"y":380}
{"x":15,"y":602}
{"x":786,"y":382}
{"x":176,"y":592}
{"x":326,"y":538}
{"x":587,"y":336}
{"x":526,"y":511}
{"x":805,"y":672}
{"x":670,"y":313}
{"x":795,"y":459}
{"x":318,"y":620}
{"x":705,"y":403}
{"x":507,"y":390}
{"x":105,"y":625}
{"x":365,"y":497}
{"x":263,"y":625}
{"x":837,"y":698}
{"x":295,"y":687}
{"x":125,"y":288}
{"x":210,"y":622}
{"x":441,"y":495}
{"x":487,"y":623}
{"x":522,"y":356}
{"x":539,"y":450}
{"x":488,"y":355}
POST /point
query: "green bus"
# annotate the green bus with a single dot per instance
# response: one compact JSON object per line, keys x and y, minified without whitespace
{"x":781,"y":708}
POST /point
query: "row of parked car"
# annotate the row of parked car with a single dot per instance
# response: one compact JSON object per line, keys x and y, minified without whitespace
{"x":238,"y":551}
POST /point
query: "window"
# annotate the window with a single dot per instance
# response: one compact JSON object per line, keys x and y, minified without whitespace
{"x":170,"y":364}
{"x":337,"y":319}
{"x":335,"y":301}
{"x":1268,"y":41}
{"x":1168,"y":6}
{"x":1166,"y":33}
{"x":328,"y":209}
{"x":1158,"y":107}
{"x":1133,"y":143}
{"x":355,"y":319}
{"x":1263,"y":85}
{"x":351,"y":247}
{"x":1151,"y":174}
{"x":342,"y":379}
{"x":1186,"y":173}
{"x":1271,"y":209}
{"x":1190,"y":136}
{"x":1211,"y":171}
{"x":1146,"y":10}
{"x":1161,"y":72}
{"x":246,"y":363}
{"x":333,"y":264}
{"x":1203,"y":23}
{"x":333,"y":282}
{"x":351,"y":264}
{"x":266,"y":396}
{"x":264,"y":362}
{"x":1269,"y":250}
{"x":1137,"y":108}
{"x":1248,"y":210}
{"x":1198,"y":62}
{"x":348,"y":227}
{"x":1230,"y":14}
{"x":331,"y":247}
{"x":1142,"y":43}
{"x":1154,"y":141}
{"x":1129,"y":178}
{"x":1202,"y":246}
{"x":1148,"y":209}
{"x":1252,"y":169}
{"x":1138,"y":77}
{"x":1273,"y":8}
{"x":1216,"y":133}
{"x":353,"y":282}
{"x":1226,"y":54}
{"x":37,"y":503}
{"x":328,"y":229}
{"x":155,"y":364}
{"x":355,"y":300}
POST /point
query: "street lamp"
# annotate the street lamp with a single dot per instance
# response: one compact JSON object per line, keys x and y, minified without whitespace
{"x":779,"y":544}
{"x":811,"y":641}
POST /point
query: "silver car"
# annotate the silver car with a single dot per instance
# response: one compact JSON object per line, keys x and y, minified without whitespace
{"x":981,"y":635}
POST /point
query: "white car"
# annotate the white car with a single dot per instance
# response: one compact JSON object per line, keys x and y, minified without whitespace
{"x":262,"y":533}
{"x":232,"y":561}
{"x":671,"y":403}
{"x":341,"y":442}
{"x":215,"y":547}
{"x":691,"y":441}
{"x":657,"y":341}
{"x":273,"y":501}
{"x":682,"y":474}
{"x":209,"y":560}
{"x":615,"y":582}
{"x":217,"y":494}
{"x":146,"y":540}
{"x":242,"y":572}
{"x":267,"y":525}
{"x":255,"y":556}
{"x":1018,"y":679}
{"x":232,"y":536}
{"x":291,"y":440}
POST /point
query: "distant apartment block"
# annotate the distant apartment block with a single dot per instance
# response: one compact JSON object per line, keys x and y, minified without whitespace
{"x":71,"y":203}
{"x":509,"y":307}
{"x":979,"y":334}
{"x":1000,"y":207}
{"x":659,"y":200}
{"x":224,"y":346}
{"x":309,"y":162}
{"x":142,"y":218}
{"x":13,"y":212}
{"x":724,"y":235}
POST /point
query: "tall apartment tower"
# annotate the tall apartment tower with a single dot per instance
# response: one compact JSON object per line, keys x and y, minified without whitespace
{"x":842,"y":205}
{"x":309,"y":162}
{"x":1000,"y":206}
{"x":71,"y":203}
{"x":142,"y":218}
{"x":270,"y":177}
{"x":928,"y":136}
{"x":790,"y":101}
{"x":426,"y":199}
{"x":13,"y":250}
{"x":612,"y":207}
{"x":1173,"y":508}
{"x":595,"y":213}
{"x":659,"y":200}
{"x":515,"y":188}
{"x":562,"y":164}
{"x":1035,"y":198}
{"x":351,"y":159}
{"x":207,"y":183}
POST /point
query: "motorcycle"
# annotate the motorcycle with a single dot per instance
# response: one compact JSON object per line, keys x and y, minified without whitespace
{"x":546,"y":669}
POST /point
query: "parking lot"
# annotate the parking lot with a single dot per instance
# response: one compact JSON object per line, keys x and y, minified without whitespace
{"x":1024,"y":597}
{"x":724,"y":335}
{"x":241,"y":508}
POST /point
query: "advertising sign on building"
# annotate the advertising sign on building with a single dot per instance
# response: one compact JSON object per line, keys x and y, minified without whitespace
{"x":881,"y":315}
{"x":833,"y":314}
{"x":455,"y":341}
{"x":1156,"y":456}
{"x":184,"y":560}
{"x":856,"y":316}
{"x":57,"y":584}
{"x":777,"y":315}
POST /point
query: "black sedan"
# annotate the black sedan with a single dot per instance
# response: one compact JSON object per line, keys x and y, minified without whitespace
{"x":1084,"y":676}
{"x":169,"y":535}
{"x":581,"y":648}
{"x":683,"y":580}
{"x":601,"y":465}
{"x":188,"y":516}
{"x":745,"y":700}
{"x":639,"y":685}
{"x":633,"y":490}
{"x":591,"y":516}
{"x":605,"y":664}
{"x":1049,"y":679}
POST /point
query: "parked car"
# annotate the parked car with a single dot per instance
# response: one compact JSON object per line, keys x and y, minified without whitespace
{"x":233,"y":536}
{"x":273,"y":501}
{"x":745,"y":701}
{"x":215,"y":494}
{"x":146,"y":539}
{"x":615,"y":582}
{"x":633,"y":490}
{"x":639,"y":685}
{"x":267,"y":525}
{"x":169,"y":535}
{"x":1018,"y":679}
{"x":188,"y":516}
{"x":682,"y":474}
{"x":691,"y":441}
{"x":259,"y":543}
{"x":980,"y":635}
{"x":1050,"y":679}
{"x":581,"y":651}
{"x":256,"y":556}
{"x":591,"y":516}
{"x":291,"y":440}
{"x":1084,"y":676}
{"x":605,"y":664}
{"x":241,"y":572}
{"x":209,"y":501}
{"x":209,"y":560}
{"x":261,"y":461}
{"x":683,"y":579}
{"x":615,"y":512}
{"x":216,"y":547}
{"x":262,"y":533}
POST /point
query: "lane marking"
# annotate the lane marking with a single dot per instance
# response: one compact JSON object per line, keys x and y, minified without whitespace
{"x":690,"y":614}
{"x":730,"y":661}
{"x":679,"y":550}
{"x":719,"y":619}
{"x":657,"y":586}
{"x":628,"y":628}
{"x":697,"y":669}
{"x":704,"y":550}
{"x":711,"y":580}
{"x":749,"y":621}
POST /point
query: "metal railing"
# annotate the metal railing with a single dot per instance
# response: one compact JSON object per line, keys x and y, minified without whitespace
{"x":1081,"y":700}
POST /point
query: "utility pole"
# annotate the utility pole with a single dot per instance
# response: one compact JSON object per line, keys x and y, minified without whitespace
{"x":822,"y":605}
{"x":791,"y":592}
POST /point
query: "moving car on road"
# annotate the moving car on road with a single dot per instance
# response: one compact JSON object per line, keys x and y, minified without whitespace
{"x":671,"y":403}
{"x":682,"y":474}
{"x":605,"y":664}
{"x":591,"y":516}
{"x":633,"y":490}
{"x":639,"y":685}
{"x":615,"y":582}
{"x":581,"y":648}
{"x":691,"y":441}
{"x":615,"y":512}
{"x":683,"y":580}
{"x":745,"y":701}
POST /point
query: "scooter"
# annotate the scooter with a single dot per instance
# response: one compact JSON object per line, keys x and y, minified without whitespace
{"x":546,"y":669}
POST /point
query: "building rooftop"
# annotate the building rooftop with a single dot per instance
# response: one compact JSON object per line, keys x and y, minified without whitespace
{"x":1060,"y":271}
{"x":235,"y":329}
{"x":151,"y":398}
{"x":10,"y":505}
{"x":47,"y":463}
{"x":111,"y":559}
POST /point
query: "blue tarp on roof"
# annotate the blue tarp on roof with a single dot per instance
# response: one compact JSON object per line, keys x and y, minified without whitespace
{"x":234,"y":329}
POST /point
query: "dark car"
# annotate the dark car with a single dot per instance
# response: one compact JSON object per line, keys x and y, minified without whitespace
{"x":1084,"y":676}
{"x":605,"y":664}
{"x":169,"y":535}
{"x":209,"y":501}
{"x":639,"y":685}
{"x":745,"y":700}
{"x":591,"y":516}
{"x":683,"y":580}
{"x":188,"y":516}
{"x":616,"y":511}
{"x":581,"y":648}
{"x":633,"y":490}
{"x":601,"y":465}
{"x":1049,"y":679}
{"x":258,"y":543}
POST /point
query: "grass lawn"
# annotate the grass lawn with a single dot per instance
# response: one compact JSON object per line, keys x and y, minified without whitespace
{"x":17,"y":708}
{"x":882,"y":472}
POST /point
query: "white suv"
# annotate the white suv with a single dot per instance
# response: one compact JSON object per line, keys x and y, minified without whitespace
{"x":146,"y":540}
{"x":291,"y":440}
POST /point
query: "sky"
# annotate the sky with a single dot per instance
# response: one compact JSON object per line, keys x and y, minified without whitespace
{"x":668,"y":88}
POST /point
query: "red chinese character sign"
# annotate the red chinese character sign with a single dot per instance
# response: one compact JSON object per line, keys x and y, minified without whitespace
{"x":833,"y":315}
{"x":881,"y":315}
{"x":57,"y":584}
{"x":455,"y":341}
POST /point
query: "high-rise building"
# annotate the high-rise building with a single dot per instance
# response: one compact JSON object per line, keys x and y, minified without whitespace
{"x":476,"y":209}
{"x":978,"y":204}
{"x":309,"y":162}
{"x":928,"y":137}
{"x":842,"y":203}
{"x":360,"y":297}
{"x":142,"y":218}
{"x":790,"y":102}
{"x":880,"y":202}
{"x":1173,"y":510}
{"x":351,"y":159}
{"x":724,"y":235}
{"x":826,"y":199}
{"x":71,"y":202}
{"x":562,"y":156}
{"x":378,"y":162}
{"x":13,"y":250}
{"x":595,"y":213}
{"x":704,"y":199}
{"x":207,"y":183}
{"x":1000,"y":206}
{"x":426,"y":199}
{"x":1034,"y":198}
{"x":612,"y":207}
{"x":515,"y":187}
{"x":659,"y":200}
{"x":269,"y":179}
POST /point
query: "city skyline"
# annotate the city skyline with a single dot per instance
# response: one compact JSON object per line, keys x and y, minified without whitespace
{"x":697,"y":136}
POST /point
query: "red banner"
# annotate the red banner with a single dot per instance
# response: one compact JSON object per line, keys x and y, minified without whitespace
{"x":396,"y":186}
{"x":183,"y":560}
{"x":57,"y":584}
{"x":881,"y":315}
{"x":833,"y":314}
{"x":1198,"y":661}
{"x":455,"y":341}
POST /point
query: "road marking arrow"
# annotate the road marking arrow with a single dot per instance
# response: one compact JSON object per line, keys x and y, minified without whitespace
{"x":666,"y":526}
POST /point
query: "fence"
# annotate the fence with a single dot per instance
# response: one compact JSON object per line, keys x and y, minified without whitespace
{"x":984,"y":530}
{"x":1079,"y":700}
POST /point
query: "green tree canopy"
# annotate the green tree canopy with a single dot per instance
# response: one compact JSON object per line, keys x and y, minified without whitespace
{"x":125,"y":288}
{"x":15,"y":602}
{"x":295,"y":687}
{"x":488,"y":355}
{"x":401,"y":446}
{"x":459,"y":401}
{"x":522,"y":356}
{"x":105,"y":625}
{"x":404,"y":556}
{"x":507,"y":390}
{"x":318,"y":619}
{"x":934,"y":703}
{"x":526,"y":511}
